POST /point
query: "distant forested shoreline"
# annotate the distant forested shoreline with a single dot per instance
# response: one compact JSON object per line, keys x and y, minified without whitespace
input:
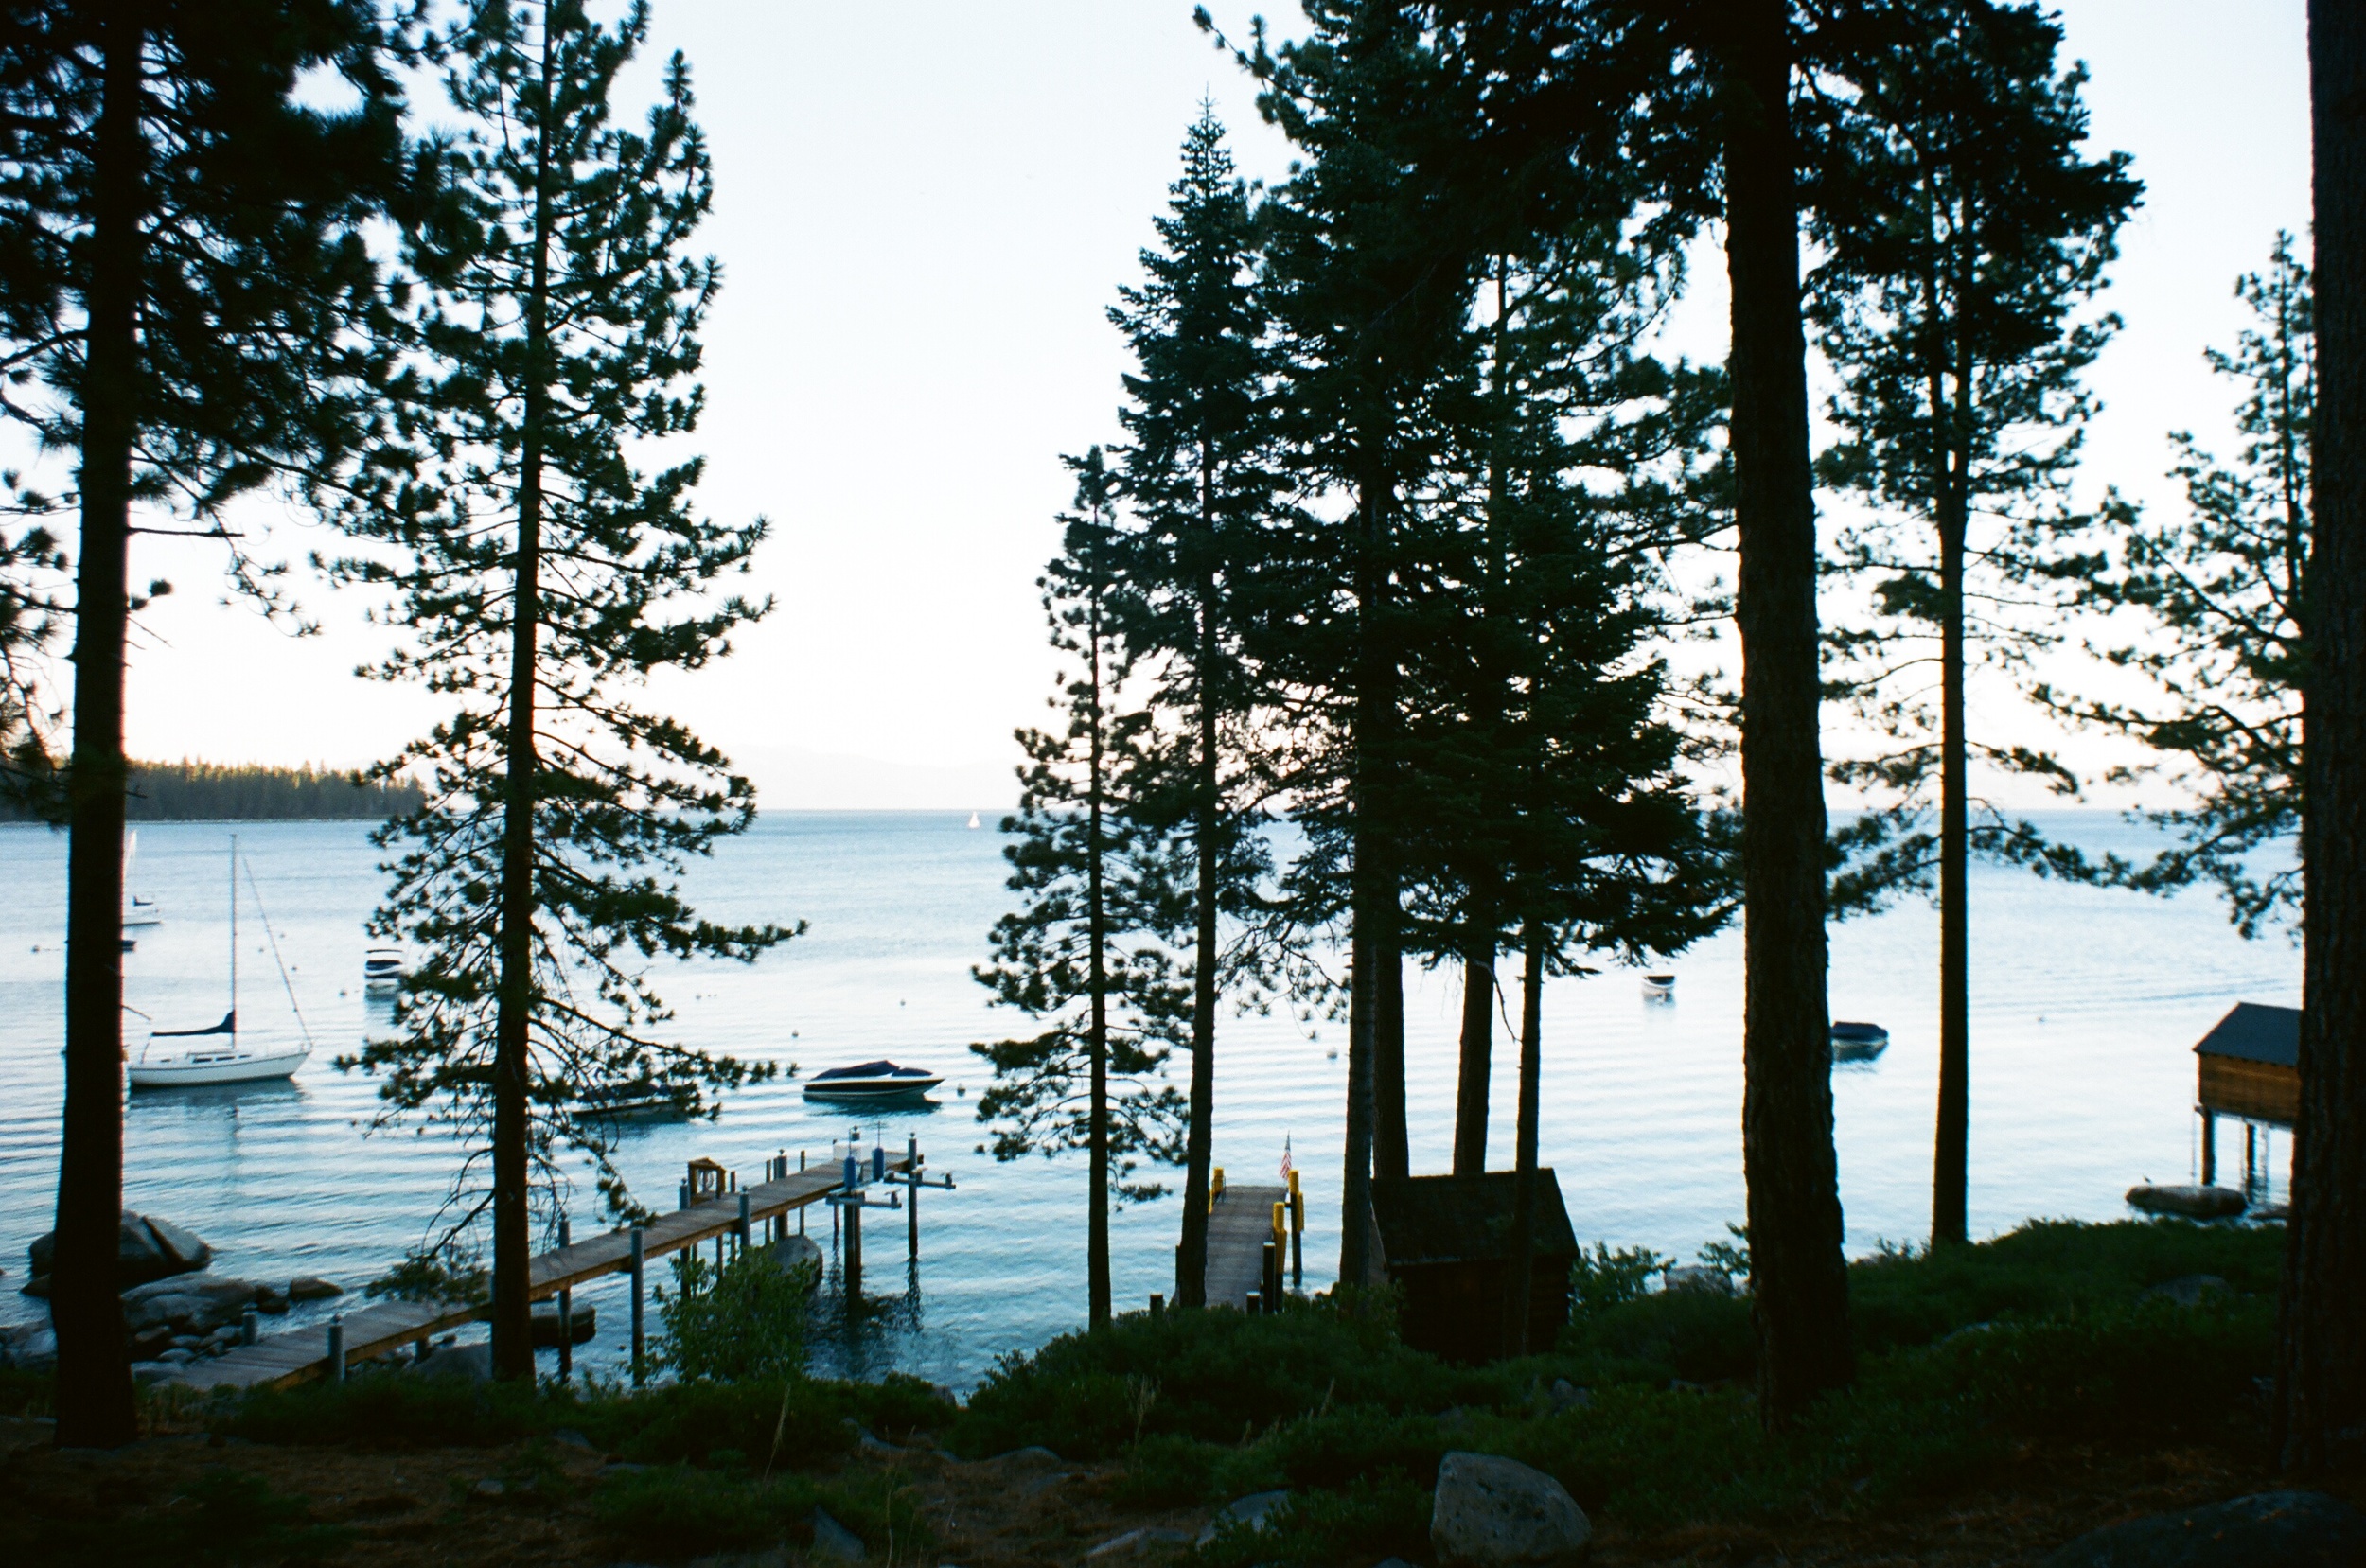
{"x":201,"y":792}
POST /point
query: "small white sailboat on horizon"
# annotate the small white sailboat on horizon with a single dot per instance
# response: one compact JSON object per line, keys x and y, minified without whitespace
{"x":214,"y":1054}
{"x":137,"y":910}
{"x":973,"y":819}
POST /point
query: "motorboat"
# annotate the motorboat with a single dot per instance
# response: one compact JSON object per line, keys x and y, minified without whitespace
{"x":382,"y":968}
{"x":871,"y":1081}
{"x":1857,"y":1042}
{"x":1659,"y":988}
{"x":215,"y":1054}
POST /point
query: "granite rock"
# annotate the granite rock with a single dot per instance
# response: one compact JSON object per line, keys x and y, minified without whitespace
{"x":1491,"y":1512}
{"x":2290,"y":1530}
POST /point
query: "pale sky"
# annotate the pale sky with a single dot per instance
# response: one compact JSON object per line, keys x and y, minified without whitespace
{"x":924,"y":209}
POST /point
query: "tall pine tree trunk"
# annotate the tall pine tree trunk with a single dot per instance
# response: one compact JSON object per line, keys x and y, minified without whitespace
{"x":1392,"y":1148}
{"x":513,"y":1243}
{"x":1479,"y":1028}
{"x":1191,"y":1259}
{"x":1523,"y":1270}
{"x":1372,"y":890}
{"x":1951,"y":1143}
{"x":94,"y":1396}
{"x":2320,"y":1373}
{"x":1097,"y":943}
{"x":1799,"y":1281}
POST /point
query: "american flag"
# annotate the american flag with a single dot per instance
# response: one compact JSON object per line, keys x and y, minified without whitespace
{"x":1285,"y":1156}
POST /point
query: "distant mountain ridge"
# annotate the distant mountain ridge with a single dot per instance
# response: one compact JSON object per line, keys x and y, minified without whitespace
{"x":190,"y":791}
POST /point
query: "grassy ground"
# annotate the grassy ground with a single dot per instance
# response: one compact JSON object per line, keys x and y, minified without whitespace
{"x":2009,"y":1397}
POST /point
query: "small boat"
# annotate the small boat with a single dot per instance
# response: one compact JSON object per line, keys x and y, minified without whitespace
{"x":1858,"y":1042}
{"x":214,"y":1054}
{"x":973,"y":819}
{"x":1659,"y":988}
{"x":382,"y":968}
{"x":137,"y":910}
{"x":871,"y":1081}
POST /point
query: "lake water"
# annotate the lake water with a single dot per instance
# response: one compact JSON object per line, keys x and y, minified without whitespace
{"x":2085,"y":1005}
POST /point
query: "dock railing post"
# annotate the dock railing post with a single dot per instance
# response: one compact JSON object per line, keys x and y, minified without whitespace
{"x":250,"y":1327}
{"x":566,"y":1311}
{"x":639,"y":1365}
{"x":801,"y":1207}
{"x":1297,"y":1233}
{"x":337,"y":1349}
{"x":743,"y":1219}
{"x":911,"y":1169}
{"x":2209,"y":1147}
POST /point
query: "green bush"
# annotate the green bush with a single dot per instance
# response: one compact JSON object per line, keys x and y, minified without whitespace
{"x":1215,"y":1375}
{"x":681,"y":1511}
{"x":386,"y":1409}
{"x":1697,"y":1336}
{"x":1605,"y":1278}
{"x":747,"y":1319}
{"x":1367,"y":1521}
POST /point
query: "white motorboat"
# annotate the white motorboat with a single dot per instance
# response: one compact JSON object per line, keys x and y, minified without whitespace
{"x":871,"y":1081}
{"x":215,"y":1054}
{"x":137,"y":910}
{"x":1659,"y":988}
{"x":382,"y":968}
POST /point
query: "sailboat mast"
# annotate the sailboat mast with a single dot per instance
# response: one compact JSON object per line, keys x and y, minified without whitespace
{"x":234,"y":933}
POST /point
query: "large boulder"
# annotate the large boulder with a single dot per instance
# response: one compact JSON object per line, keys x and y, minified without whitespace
{"x":469,"y":1362}
{"x":1493,"y":1513}
{"x":2290,"y":1530}
{"x":581,"y":1320}
{"x":146,"y":1249}
{"x":792,"y":1252}
{"x":2194,"y":1203}
{"x":1257,"y":1513}
{"x":29,"y":1348}
{"x":187,"y":1304}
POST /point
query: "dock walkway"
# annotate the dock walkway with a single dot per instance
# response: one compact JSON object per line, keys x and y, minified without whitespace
{"x":301,"y":1354}
{"x":1239,"y":1225}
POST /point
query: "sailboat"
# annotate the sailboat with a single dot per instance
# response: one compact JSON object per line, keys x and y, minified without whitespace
{"x":137,"y":910}
{"x":973,"y":819}
{"x":214,"y":1054}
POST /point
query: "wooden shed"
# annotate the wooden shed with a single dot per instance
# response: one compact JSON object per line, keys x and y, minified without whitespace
{"x":2248,"y":1066}
{"x":1446,"y":1244}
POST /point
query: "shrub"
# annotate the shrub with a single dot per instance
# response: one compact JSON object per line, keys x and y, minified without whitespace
{"x":744,"y":1320}
{"x":681,"y":1511}
{"x":1606,"y":1278}
{"x":1221,"y":1376}
{"x":385,"y":1409}
{"x":444,"y":1274}
{"x":1697,"y":1336}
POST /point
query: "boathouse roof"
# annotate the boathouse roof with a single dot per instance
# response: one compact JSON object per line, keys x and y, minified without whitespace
{"x":2255,"y":1033}
{"x":1425,"y":1221}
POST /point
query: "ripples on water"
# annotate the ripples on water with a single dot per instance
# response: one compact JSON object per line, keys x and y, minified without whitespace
{"x":2085,"y":1004}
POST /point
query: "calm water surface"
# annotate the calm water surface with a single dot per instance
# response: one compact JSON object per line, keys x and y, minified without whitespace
{"x":2085,"y":1004}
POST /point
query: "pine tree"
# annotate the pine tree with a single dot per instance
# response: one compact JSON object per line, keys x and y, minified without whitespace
{"x":1194,"y":472}
{"x":1104,"y":893}
{"x":1799,"y":1278}
{"x":2226,"y":586}
{"x":1963,"y":228}
{"x":533,"y":569}
{"x":2320,"y":1364}
{"x":191,"y":311}
{"x":1371,"y":269}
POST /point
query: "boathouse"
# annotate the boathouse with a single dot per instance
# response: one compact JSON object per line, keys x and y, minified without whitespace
{"x":2248,"y":1067}
{"x":1446,"y":1244}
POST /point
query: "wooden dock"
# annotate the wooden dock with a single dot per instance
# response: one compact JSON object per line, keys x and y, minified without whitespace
{"x":1239,"y":1225}
{"x":301,"y":1354}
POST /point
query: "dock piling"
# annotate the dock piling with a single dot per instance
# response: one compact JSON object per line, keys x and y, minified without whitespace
{"x":337,"y":1349}
{"x":640,"y":1368}
{"x":250,"y":1326}
{"x":912,"y":1220}
{"x":566,"y":1312}
{"x":742,"y":1232}
{"x":2209,"y":1147}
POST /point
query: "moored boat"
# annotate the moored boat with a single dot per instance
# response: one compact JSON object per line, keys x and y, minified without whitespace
{"x":871,"y":1081}
{"x":1659,"y":988}
{"x":382,"y":968}
{"x":1858,"y":1042}
{"x":215,"y":1054}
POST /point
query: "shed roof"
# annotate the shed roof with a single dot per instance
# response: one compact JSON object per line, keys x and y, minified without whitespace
{"x":1464,"y":1219}
{"x":2253,"y":1033}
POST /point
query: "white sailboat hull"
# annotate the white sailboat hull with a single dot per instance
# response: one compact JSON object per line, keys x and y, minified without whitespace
{"x":215,"y":1067}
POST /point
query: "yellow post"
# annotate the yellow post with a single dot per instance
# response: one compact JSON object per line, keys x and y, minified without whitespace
{"x":1215,"y":1187}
